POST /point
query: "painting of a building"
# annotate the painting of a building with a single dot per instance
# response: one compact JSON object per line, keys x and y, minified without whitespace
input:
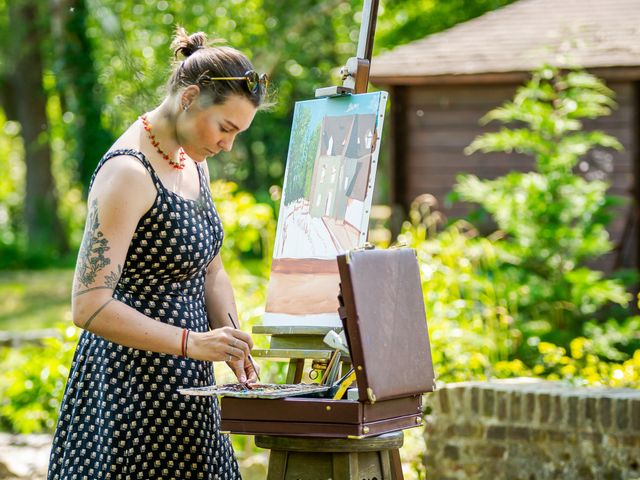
{"x":327,"y":197}
{"x":342,"y":168}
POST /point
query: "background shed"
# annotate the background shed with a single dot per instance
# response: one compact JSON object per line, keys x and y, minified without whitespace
{"x":441,"y":86}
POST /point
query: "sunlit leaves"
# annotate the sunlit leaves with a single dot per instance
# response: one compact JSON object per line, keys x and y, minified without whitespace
{"x":527,"y":290}
{"x":402,"y":21}
{"x":33,"y":380}
{"x":553,"y":218}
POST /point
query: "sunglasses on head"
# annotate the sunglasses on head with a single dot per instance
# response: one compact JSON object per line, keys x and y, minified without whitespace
{"x":255,"y":82}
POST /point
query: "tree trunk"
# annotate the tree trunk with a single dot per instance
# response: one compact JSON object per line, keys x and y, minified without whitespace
{"x":44,"y":229}
{"x":78,"y":80}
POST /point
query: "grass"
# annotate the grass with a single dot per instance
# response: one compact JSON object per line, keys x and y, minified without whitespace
{"x":33,"y":300}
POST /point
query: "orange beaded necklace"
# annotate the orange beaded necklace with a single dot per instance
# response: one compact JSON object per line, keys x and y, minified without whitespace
{"x":177,"y":164}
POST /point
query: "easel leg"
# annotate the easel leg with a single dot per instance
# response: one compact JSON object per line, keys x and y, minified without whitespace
{"x":277,"y":465}
{"x":396,"y":465}
{"x":295,"y":371}
{"x":345,"y":466}
{"x":385,"y":464}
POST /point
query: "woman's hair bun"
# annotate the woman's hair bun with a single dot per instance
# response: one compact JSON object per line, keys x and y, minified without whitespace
{"x":215,"y":60}
{"x":185,"y":44}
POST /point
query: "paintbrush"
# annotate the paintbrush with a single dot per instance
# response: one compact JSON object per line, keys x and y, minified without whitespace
{"x":235,"y":325}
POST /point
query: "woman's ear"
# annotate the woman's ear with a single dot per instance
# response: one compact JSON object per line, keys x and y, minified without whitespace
{"x":189,"y":95}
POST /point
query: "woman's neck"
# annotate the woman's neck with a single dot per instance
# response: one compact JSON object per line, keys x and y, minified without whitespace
{"x":163,"y":126}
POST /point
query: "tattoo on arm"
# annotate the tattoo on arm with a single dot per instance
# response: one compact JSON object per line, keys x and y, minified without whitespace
{"x":82,"y":292}
{"x":111,"y":280}
{"x":95,"y":314}
{"x":91,"y":258}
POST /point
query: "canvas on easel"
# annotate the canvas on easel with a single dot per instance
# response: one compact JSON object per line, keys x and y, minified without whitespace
{"x":325,"y":206}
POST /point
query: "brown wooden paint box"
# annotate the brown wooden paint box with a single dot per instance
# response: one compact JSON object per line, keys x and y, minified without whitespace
{"x":384,"y":318}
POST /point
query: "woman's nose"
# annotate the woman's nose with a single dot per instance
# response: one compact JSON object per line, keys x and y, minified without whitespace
{"x":226,"y":144}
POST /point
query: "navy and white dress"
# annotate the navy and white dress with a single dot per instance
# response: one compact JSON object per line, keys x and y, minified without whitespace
{"x":121,"y":416}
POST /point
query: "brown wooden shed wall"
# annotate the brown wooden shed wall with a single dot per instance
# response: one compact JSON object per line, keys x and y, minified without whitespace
{"x":433,"y":124}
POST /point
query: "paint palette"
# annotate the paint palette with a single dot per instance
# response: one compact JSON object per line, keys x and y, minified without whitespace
{"x":259,"y":390}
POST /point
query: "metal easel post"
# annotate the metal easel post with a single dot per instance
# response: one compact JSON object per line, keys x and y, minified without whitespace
{"x":355,"y":74}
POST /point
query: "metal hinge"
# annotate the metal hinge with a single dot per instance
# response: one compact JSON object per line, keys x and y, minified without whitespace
{"x":371,"y":395}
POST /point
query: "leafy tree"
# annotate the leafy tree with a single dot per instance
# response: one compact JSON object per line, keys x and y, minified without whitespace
{"x":103,"y":63}
{"x":81,"y":93}
{"x":301,"y":45}
{"x":402,"y":22}
{"x":25,"y":101}
{"x":554,"y":220}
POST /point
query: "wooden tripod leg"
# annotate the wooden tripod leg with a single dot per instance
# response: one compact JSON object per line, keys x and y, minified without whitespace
{"x":345,"y":466}
{"x":396,"y":465}
{"x":295,"y":371}
{"x":277,"y":465}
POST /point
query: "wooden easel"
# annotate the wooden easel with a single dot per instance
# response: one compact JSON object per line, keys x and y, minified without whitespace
{"x":345,"y":458}
{"x":300,"y":343}
{"x":295,"y":344}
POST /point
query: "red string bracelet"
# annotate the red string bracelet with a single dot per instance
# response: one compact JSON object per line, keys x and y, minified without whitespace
{"x":184,"y":337}
{"x":186,"y":343}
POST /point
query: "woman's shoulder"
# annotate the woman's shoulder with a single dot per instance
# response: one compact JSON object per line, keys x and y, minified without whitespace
{"x":124,"y":175}
{"x":125,"y":165}
{"x":125,"y":157}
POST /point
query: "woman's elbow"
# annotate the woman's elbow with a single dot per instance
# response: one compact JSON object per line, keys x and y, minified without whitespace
{"x":85,"y":308}
{"x":77,"y":312}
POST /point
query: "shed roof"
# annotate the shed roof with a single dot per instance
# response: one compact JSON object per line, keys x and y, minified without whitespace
{"x":519,"y":38}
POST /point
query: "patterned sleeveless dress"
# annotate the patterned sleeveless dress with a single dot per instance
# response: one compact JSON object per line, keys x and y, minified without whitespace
{"x":121,"y":417}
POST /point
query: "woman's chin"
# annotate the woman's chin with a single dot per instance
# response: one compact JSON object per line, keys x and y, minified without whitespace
{"x":197,"y":156}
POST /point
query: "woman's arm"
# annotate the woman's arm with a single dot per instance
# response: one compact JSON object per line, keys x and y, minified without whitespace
{"x":122,"y":192}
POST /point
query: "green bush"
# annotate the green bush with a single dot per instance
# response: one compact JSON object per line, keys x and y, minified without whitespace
{"x":32,"y":382}
{"x":249,"y":225}
{"x":553,"y":219}
{"x":522,"y":301}
{"x":579,"y":365}
{"x":467,"y":307}
{"x":472,"y":301}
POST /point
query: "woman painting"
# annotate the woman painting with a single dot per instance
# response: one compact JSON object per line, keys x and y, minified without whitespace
{"x":150,"y":291}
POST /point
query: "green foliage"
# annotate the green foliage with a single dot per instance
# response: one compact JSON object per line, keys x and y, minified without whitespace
{"x":14,"y":253}
{"x":476,"y":326}
{"x":78,"y":85}
{"x":613,"y":340}
{"x":579,"y":364}
{"x":469,"y":300}
{"x":34,"y":300}
{"x":554,"y":220}
{"x":11,"y":190}
{"x":402,"y":22}
{"x":125,"y":61}
{"x":522,"y":301}
{"x":32,"y":382}
{"x":249,"y":226}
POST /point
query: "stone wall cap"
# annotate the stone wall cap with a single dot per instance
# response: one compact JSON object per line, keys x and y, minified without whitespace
{"x":537,"y":385}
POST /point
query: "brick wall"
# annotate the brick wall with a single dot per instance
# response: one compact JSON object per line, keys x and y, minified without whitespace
{"x":532,"y":430}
